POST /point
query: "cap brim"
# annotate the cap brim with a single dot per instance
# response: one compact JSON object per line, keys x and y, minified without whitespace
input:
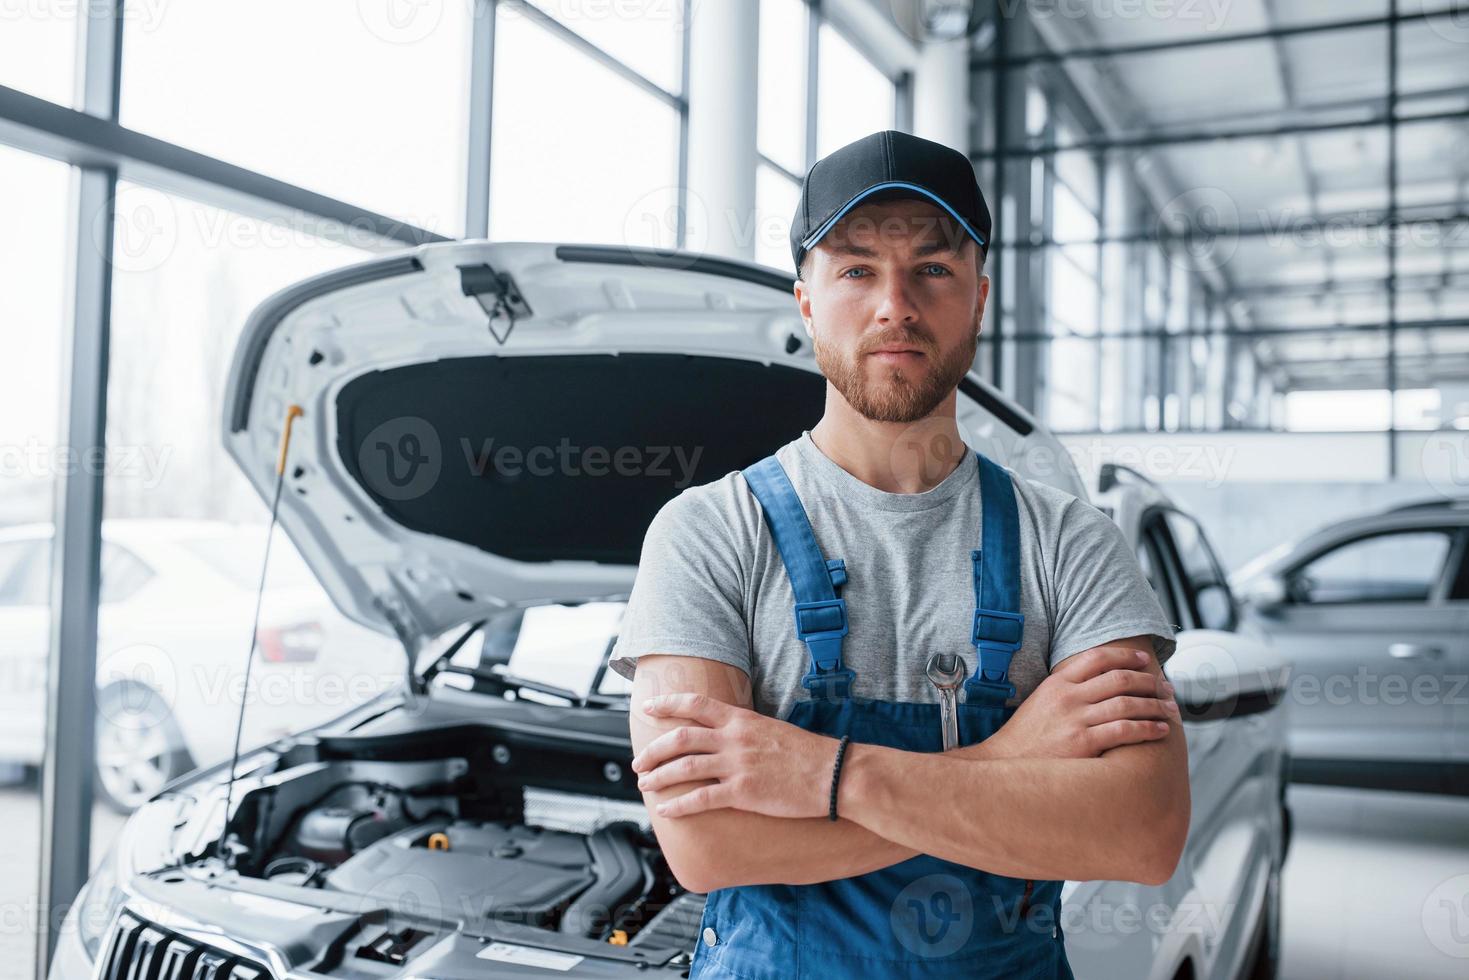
{"x":826,"y":226}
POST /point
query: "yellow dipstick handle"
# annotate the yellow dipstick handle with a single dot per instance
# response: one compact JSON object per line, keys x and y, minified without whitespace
{"x":438,"y":841}
{"x":291,"y":413}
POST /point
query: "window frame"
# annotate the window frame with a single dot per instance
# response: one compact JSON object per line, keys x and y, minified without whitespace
{"x":1437,"y":593}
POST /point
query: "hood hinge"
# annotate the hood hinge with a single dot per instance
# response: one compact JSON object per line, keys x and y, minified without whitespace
{"x":497,"y":295}
{"x":395,"y":611}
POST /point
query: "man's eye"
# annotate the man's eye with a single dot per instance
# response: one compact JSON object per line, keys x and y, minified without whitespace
{"x":943,"y":270}
{"x":844,"y":272}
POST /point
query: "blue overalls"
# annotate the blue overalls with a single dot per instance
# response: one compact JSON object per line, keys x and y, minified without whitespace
{"x":923,"y":917}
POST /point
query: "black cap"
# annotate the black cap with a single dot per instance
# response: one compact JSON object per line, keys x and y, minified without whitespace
{"x":885,"y":161}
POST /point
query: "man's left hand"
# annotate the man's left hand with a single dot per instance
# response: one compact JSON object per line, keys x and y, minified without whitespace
{"x":760,"y":764}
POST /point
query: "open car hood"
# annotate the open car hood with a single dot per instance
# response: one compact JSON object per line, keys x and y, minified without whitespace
{"x":488,"y":426}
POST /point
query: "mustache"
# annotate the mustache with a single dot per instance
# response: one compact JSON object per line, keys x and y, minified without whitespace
{"x":908,"y":340}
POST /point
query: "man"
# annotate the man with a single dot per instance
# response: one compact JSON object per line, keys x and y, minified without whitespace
{"x":798,"y":770}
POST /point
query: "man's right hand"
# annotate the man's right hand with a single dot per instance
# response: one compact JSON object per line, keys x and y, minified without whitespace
{"x":1093,"y":702}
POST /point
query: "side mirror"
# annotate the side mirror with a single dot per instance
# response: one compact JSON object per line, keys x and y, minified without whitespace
{"x":1266,"y":593}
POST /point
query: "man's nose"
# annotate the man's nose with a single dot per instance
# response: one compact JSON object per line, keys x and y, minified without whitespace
{"x":896,"y":305}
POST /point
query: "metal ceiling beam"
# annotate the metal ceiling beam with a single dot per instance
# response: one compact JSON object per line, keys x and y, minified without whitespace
{"x":981,"y":63}
{"x":1256,"y":332}
{"x":1326,"y":224}
{"x":1216,"y":136}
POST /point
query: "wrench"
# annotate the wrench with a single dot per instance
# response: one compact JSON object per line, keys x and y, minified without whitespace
{"x":946,"y":672}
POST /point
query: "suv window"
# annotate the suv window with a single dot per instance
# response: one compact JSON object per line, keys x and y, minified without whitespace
{"x":1205,"y":583}
{"x":1150,"y":556}
{"x":1391,"y":566}
{"x":23,"y":568}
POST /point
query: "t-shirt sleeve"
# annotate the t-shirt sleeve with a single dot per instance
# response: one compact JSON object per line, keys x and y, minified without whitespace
{"x":688,"y":596}
{"x":1101,"y":593}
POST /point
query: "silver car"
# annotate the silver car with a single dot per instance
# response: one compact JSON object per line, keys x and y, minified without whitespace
{"x":487,"y":431}
{"x":1373,"y":616}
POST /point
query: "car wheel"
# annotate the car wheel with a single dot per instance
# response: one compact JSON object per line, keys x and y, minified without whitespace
{"x":137,"y":749}
{"x":1265,"y":964}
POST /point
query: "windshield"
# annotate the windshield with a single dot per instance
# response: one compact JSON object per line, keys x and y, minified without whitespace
{"x":565,"y":646}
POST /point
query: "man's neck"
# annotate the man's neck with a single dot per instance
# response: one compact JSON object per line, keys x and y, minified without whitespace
{"x":895,"y":457}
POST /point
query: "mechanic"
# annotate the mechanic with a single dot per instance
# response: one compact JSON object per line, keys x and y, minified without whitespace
{"x":806,"y":773}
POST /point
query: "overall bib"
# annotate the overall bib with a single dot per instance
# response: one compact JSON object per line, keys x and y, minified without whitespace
{"x":923,"y":917}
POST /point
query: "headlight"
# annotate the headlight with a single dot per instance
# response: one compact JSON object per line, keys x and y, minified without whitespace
{"x":98,"y":904}
{"x":141,"y":846}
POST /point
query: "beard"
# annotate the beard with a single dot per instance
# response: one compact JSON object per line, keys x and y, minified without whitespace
{"x":887,"y":394}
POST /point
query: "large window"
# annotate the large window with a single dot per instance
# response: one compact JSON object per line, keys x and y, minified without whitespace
{"x":580,"y":153}
{"x":364,"y":102}
{"x":34,"y":245}
{"x":853,"y":98}
{"x":38,"y":49}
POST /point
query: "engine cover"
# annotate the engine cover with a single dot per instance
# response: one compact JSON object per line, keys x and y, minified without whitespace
{"x":486,"y":871}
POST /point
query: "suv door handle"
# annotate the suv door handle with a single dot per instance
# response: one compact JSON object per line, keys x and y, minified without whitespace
{"x":1414,"y":651}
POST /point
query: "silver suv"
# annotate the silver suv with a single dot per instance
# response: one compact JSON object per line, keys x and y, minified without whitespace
{"x":1373,"y":615}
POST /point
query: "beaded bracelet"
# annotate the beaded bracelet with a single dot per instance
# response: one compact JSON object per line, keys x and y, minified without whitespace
{"x":836,"y":774}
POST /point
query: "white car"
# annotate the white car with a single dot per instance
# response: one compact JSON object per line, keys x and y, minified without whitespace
{"x":488,"y":428}
{"x":172,"y":633}
{"x":1231,"y":686}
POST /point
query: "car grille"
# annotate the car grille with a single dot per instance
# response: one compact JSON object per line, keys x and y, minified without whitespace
{"x":138,"y":949}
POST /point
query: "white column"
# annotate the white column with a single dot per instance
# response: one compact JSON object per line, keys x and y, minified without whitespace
{"x":724,"y":48}
{"x":941,"y":94}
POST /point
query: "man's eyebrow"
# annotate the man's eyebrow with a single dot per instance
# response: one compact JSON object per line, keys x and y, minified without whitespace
{"x":847,"y":248}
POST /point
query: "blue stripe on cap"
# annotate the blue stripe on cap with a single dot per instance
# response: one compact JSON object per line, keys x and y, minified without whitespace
{"x":826,"y":226}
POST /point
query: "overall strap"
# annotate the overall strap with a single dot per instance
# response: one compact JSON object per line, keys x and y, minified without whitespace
{"x":821,"y":617}
{"x":998,"y":623}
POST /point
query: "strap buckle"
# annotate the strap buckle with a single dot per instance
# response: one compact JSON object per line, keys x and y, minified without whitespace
{"x":997,"y":634}
{"x":821,"y":624}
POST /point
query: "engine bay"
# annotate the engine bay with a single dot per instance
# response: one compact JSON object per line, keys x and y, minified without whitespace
{"x":416,"y":853}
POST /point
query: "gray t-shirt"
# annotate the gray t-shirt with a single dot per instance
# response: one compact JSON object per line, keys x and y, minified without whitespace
{"x":711,"y":583}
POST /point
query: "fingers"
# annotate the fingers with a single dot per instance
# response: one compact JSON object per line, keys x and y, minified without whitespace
{"x":711,"y":797}
{"x":1122,"y":682}
{"x":685,"y":769}
{"x":1115,"y":733}
{"x":1098,"y":660}
{"x":674,"y":743}
{"x":1132,"y":708}
{"x":696,"y":707}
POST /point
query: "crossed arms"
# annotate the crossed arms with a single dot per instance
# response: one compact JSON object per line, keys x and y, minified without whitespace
{"x":1079,"y":784}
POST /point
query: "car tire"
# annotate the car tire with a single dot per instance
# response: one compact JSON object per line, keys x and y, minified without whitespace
{"x":1265,"y":963}
{"x":138,"y":747}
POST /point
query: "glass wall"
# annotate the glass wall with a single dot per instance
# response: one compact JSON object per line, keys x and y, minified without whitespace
{"x":34,"y":242}
{"x":1289,"y":258}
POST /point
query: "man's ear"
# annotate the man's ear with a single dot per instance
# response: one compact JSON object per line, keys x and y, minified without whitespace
{"x":803,"y":305}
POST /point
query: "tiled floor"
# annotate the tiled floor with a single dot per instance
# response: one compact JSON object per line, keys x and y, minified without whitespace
{"x":1376,"y":886}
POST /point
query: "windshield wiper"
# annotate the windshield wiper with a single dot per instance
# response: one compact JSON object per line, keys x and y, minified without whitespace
{"x":500,"y":680}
